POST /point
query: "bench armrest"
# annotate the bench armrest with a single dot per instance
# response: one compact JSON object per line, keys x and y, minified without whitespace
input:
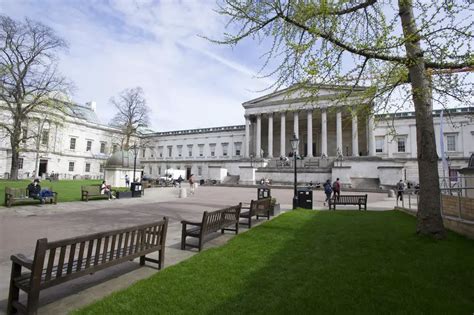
{"x":21,"y":260}
{"x":191,"y":223}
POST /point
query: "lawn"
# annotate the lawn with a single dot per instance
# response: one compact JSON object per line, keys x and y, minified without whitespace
{"x":313,"y":262}
{"x":68,"y":190}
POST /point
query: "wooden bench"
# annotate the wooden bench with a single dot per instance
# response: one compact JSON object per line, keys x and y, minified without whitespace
{"x":259,"y":208}
{"x":358,"y":200}
{"x":92,"y":191}
{"x":60,"y":261}
{"x":17,"y":195}
{"x":211,"y":222}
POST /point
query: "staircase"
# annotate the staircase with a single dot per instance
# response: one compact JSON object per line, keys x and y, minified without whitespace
{"x":231,"y":180}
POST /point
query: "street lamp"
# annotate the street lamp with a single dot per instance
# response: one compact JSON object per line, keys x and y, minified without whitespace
{"x":135,"y":151}
{"x":294,"y":145}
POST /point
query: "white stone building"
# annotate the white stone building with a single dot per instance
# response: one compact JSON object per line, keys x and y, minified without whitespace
{"x":72,"y":143}
{"x":376,"y":150}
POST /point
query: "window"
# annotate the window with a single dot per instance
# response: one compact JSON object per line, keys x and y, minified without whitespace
{"x":72,"y":144}
{"x":101,"y":168}
{"x":212,"y":146}
{"x":88,"y":167}
{"x":225,"y":149}
{"x":150,"y":170}
{"x":180,"y":150}
{"x":160,"y":152}
{"x":201,"y":150}
{"x":453,"y":175}
{"x":379,"y":142}
{"x":102,"y":147}
{"x":190,"y":150}
{"x":159,"y":170}
{"x":143,"y":153}
{"x":170,"y":151}
{"x":24,"y":134}
{"x":45,"y":137}
{"x":451,"y":143}
{"x":199,"y":170}
{"x":71,"y":166}
{"x":89,"y":145}
{"x":114,"y":148}
{"x":238,"y":148}
{"x":20,"y":163}
{"x":401,"y":143}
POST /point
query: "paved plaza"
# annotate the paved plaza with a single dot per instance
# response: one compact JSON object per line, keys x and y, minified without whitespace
{"x":21,"y":226}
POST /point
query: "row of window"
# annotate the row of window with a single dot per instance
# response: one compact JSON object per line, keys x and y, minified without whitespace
{"x":402,"y":142}
{"x":103,"y":145}
{"x":71,"y":168}
{"x":190,"y":152}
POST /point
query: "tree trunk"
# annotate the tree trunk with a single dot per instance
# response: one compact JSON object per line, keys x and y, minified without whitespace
{"x":15,"y":144}
{"x":429,"y":220}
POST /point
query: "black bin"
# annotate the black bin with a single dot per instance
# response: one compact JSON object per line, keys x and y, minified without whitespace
{"x":305,"y":198}
{"x":263,"y":192}
{"x":201,"y":182}
{"x":136,"y":188}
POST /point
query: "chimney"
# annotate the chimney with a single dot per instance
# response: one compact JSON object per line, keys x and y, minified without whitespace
{"x":92,"y":105}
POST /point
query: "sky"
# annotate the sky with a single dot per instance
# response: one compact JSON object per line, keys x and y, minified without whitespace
{"x":188,"y":81}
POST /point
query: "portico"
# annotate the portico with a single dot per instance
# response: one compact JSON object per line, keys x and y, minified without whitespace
{"x":326,"y":126}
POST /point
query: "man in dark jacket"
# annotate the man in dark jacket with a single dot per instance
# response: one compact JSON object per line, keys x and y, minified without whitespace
{"x":34,"y":190}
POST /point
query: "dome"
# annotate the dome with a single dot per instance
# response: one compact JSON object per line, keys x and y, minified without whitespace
{"x":121,"y":159}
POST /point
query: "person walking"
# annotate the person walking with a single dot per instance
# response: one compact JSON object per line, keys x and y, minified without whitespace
{"x":336,"y":188}
{"x":400,"y":190}
{"x":327,"y":191}
{"x":191,"y":184}
{"x":127,"y":181}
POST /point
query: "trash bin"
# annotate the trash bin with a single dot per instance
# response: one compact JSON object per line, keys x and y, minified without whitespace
{"x":201,"y":182}
{"x":136,"y":188}
{"x":263,"y":192}
{"x":305,"y":198}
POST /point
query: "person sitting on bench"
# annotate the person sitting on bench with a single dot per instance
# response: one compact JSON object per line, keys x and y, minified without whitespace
{"x":34,"y":190}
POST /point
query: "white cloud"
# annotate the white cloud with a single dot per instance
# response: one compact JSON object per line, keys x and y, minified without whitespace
{"x":188,"y":81}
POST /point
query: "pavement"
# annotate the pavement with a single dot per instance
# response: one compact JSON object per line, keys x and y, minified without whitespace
{"x":21,"y":226}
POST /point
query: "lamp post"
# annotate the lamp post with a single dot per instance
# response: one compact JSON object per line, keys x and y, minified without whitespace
{"x":135,"y":152}
{"x":294,"y":145}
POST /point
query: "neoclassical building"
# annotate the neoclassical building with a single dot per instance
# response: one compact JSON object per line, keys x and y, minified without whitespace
{"x":337,"y":139}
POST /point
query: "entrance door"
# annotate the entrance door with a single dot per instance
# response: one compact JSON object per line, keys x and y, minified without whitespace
{"x":43,"y":167}
{"x":188,"y":172}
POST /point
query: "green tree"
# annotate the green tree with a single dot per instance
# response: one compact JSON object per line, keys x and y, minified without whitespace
{"x":29,"y":79}
{"x":420,"y":48}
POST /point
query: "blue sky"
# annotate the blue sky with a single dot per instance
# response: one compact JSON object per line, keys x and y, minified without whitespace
{"x":188,"y":81}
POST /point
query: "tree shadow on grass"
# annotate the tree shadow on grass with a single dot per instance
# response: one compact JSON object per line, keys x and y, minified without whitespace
{"x":355,"y":262}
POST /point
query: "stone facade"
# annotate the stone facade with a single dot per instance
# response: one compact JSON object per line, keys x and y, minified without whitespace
{"x":335,"y":141}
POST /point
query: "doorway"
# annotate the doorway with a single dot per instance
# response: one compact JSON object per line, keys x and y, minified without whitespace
{"x":188,"y":172}
{"x":43,"y":168}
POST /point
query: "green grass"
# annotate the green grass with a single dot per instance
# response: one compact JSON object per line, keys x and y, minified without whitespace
{"x":68,"y":190}
{"x":313,"y":262}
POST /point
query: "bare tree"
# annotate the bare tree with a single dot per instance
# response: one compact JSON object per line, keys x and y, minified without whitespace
{"x":29,"y":79}
{"x":421,"y":49}
{"x":132,"y":113}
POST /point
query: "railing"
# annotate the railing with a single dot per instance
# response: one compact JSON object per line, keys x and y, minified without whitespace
{"x":454,"y":205}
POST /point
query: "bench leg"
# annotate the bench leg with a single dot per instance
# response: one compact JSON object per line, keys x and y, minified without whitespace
{"x":142,"y":260}
{"x":237,"y":228}
{"x":14,"y":292}
{"x":32,"y":302}
{"x":183,"y":238}
{"x":250,"y":222}
{"x":200,"y":242}
{"x":161,"y":258}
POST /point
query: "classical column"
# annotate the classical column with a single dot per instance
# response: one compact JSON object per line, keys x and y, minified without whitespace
{"x":282,"y":134}
{"x":296,"y":126}
{"x":324,"y":133}
{"x":258,"y":146}
{"x":247,"y":136}
{"x":310,"y":133}
{"x":339,"y":133}
{"x":371,"y":136}
{"x":355,"y":136}
{"x":270,"y":135}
